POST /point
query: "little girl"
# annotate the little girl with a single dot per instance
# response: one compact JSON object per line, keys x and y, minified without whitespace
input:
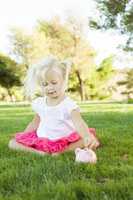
{"x":57,"y":125}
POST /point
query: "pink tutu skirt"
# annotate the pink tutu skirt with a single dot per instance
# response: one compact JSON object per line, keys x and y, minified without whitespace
{"x":30,"y":139}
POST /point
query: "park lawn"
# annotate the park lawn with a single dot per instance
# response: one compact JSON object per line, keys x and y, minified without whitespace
{"x":27,"y":176}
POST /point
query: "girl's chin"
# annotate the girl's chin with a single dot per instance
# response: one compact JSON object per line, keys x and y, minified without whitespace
{"x":53,"y":95}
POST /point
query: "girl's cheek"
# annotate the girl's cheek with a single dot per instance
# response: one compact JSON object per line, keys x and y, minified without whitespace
{"x":44,"y":90}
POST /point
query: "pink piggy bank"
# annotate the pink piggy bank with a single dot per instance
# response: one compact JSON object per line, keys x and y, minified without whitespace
{"x":85,"y":155}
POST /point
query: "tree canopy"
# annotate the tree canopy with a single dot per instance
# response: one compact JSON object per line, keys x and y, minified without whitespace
{"x":9,"y":74}
{"x":118,"y":15}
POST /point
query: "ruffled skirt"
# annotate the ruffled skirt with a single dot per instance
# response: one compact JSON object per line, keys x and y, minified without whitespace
{"x":30,"y":139}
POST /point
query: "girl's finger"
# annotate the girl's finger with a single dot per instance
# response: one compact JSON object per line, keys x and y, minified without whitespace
{"x":87,"y":141}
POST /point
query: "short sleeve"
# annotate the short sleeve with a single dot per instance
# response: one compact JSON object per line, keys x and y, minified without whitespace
{"x":37,"y":105}
{"x":72,"y":105}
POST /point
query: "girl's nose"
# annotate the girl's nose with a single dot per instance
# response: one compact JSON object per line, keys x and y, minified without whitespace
{"x":50,"y":87}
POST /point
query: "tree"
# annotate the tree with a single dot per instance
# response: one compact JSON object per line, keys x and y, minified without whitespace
{"x":27,"y":47}
{"x":59,"y":40}
{"x":118,"y":15}
{"x":9,"y":73}
{"x":128,"y":82}
{"x":98,"y":85}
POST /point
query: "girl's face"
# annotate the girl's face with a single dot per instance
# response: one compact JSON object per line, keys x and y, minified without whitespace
{"x":53,"y":84}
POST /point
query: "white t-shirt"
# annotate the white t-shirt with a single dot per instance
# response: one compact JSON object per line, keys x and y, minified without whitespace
{"x":55,"y":121}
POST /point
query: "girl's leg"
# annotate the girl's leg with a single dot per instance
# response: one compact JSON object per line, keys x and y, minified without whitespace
{"x":71,"y":147}
{"x":13,"y":144}
{"x":75,"y":145}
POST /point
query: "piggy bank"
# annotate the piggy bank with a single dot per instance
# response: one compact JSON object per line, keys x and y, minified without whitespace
{"x":85,"y":155}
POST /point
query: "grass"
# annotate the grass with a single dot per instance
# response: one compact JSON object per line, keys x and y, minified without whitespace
{"x":26,"y":176}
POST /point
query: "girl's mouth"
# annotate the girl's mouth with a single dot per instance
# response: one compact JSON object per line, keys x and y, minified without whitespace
{"x":51,"y":92}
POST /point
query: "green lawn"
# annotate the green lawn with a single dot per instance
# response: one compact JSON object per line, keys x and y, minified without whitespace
{"x":32,"y":177}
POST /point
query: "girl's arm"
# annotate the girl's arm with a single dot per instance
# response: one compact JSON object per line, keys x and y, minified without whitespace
{"x":33,"y":125}
{"x":82,"y":128}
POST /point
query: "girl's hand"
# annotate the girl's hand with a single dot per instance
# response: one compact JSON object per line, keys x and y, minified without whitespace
{"x":90,"y":141}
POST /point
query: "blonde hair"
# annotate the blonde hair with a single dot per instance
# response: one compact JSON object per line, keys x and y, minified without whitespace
{"x":36,"y":73}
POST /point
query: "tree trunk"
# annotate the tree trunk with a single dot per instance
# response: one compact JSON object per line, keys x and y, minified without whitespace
{"x":81,"y":86}
{"x":10,"y":94}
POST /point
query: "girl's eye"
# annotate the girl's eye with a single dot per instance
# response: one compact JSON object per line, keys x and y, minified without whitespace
{"x":54,"y":83}
{"x":44,"y":84}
